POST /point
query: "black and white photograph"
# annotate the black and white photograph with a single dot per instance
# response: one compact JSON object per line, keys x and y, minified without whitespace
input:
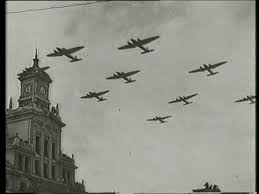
{"x":130,"y":97}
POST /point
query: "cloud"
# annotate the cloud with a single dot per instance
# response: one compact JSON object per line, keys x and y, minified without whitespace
{"x":124,"y":18}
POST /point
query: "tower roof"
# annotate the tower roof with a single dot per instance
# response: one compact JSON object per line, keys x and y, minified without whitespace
{"x":35,"y":70}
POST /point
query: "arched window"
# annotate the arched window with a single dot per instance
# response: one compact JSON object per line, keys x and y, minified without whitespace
{"x":22,"y":186}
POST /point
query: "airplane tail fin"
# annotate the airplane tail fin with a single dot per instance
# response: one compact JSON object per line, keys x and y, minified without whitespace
{"x":147,"y":51}
{"x":252,"y":102}
{"x":212,"y":74}
{"x":163,"y":121}
{"x":187,"y":103}
{"x":102,"y":99}
{"x":130,"y":81}
{"x":75,"y":59}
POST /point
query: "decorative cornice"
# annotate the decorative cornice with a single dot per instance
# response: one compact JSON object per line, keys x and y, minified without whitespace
{"x":24,"y":111}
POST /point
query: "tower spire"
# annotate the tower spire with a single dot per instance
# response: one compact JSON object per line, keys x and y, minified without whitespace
{"x":36,"y":60}
{"x":57,"y":109}
{"x":36,"y":53}
{"x":10,"y":103}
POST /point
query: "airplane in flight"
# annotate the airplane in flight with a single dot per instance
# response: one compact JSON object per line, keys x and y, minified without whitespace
{"x":66,"y":52}
{"x":125,"y":76}
{"x":183,"y":99}
{"x":96,"y":95}
{"x":140,"y":44}
{"x":160,"y":119}
{"x":208,"y":68}
{"x":248,"y":98}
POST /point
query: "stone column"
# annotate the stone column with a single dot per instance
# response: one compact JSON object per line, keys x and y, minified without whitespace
{"x":50,"y":155}
{"x":58,"y":146}
{"x":41,"y":152}
{"x":23,"y":162}
{"x":34,"y":136}
{"x":60,"y":173}
{"x":16,"y":159}
{"x":73,"y":176}
{"x":67,"y":175}
{"x":33,"y":165}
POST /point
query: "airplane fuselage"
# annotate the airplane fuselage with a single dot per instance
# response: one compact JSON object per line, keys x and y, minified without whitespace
{"x":60,"y":49}
{"x":138,"y":44}
{"x":251,"y":99}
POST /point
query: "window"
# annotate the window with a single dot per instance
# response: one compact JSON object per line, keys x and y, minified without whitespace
{"x":64,"y":176}
{"x":46,"y":143}
{"x":54,"y":151}
{"x":27,"y":160}
{"x":45,"y":170}
{"x":22,"y":186}
{"x":20,"y":162}
{"x":53,"y":172}
{"x":37,"y":167}
{"x":38,"y":145}
{"x":68,"y":176}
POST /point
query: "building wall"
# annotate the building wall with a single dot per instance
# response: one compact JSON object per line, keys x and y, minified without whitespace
{"x":21,"y":127}
{"x":31,"y":120}
{"x":10,"y":156}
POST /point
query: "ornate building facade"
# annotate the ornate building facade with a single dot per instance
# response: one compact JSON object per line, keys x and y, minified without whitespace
{"x":34,"y":159}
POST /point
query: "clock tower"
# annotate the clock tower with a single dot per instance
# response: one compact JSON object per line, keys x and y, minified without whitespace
{"x":34,"y":86}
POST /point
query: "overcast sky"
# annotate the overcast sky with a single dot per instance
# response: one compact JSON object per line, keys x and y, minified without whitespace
{"x":212,"y":139}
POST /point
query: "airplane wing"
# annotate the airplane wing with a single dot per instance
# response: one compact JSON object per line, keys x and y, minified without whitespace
{"x":72,"y":50}
{"x":148,"y":40}
{"x":128,"y":46}
{"x":174,"y":101}
{"x":166,"y":117}
{"x":101,"y":93}
{"x":88,"y":96}
{"x":55,"y":54}
{"x":217,"y":64}
{"x":197,"y":70}
{"x":142,"y":47}
{"x":69,"y":56}
{"x":114,"y":77}
{"x":153,"y":119}
{"x":242,"y":100}
{"x":126,"y":79}
{"x":211,"y":72}
{"x":130,"y":73}
{"x":188,"y":97}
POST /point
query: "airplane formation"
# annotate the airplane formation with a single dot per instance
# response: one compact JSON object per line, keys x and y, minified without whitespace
{"x":138,"y":43}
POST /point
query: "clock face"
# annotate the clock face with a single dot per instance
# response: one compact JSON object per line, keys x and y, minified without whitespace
{"x":28,"y":88}
{"x":43,"y":90}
